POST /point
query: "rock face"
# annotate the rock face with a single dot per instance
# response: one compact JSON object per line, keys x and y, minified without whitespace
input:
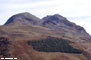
{"x":27,"y":37}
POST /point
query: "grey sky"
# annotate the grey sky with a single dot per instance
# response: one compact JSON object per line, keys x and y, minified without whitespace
{"x":78,"y":11}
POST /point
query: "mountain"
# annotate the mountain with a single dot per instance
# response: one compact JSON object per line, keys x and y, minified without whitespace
{"x":23,"y":19}
{"x":26,"y":37}
{"x":59,"y":23}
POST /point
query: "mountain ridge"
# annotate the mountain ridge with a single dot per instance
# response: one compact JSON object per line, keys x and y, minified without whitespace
{"x":31,"y":38}
{"x":54,"y":22}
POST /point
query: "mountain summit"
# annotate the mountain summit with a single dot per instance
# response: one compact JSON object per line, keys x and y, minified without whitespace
{"x":59,"y":23}
{"x":23,"y":19}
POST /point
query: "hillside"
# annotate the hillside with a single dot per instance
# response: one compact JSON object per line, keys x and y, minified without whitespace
{"x":27,"y":37}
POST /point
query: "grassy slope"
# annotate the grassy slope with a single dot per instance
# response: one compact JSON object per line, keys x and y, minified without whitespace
{"x":19,"y":35}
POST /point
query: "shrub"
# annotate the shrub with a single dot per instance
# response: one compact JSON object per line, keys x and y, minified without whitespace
{"x":52,"y":44}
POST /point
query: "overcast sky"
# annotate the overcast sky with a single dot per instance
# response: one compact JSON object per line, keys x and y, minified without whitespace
{"x":78,"y":11}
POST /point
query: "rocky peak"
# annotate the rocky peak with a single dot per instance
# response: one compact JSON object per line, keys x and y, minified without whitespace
{"x":57,"y":20}
{"x":55,"y":17}
{"x":60,"y":21}
{"x":23,"y":19}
